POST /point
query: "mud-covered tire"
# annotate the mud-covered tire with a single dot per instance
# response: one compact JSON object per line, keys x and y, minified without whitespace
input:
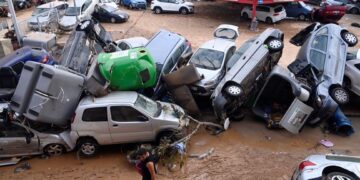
{"x":354,"y":11}
{"x":340,"y":95}
{"x":349,"y":38}
{"x":233,"y":90}
{"x":157,"y":10}
{"x":338,"y":176}
{"x":88,"y":147}
{"x":302,"y":17}
{"x":112,"y":20}
{"x":54,"y":149}
{"x":184,"y":11}
{"x":275,"y":45}
{"x":245,"y":16}
{"x":268,"y":20}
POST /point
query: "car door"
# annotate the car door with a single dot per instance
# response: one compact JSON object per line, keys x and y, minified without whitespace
{"x":128,"y":124}
{"x":261,"y":12}
{"x":296,"y":116}
{"x":13,"y":141}
{"x":173,"y":5}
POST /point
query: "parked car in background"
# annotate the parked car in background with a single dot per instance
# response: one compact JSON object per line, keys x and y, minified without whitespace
{"x":328,"y":167}
{"x":22,"y":4}
{"x":352,"y":72}
{"x":352,"y":7}
{"x":105,"y":13}
{"x":81,"y":10}
{"x":123,"y":117}
{"x":298,"y":10}
{"x":47,"y":15}
{"x":133,"y":42}
{"x":134,"y":4}
{"x":211,"y":58}
{"x":28,"y":138}
{"x":320,"y":63}
{"x":167,"y":48}
{"x":268,"y":14}
{"x":108,"y":3}
{"x":180,"y":6}
{"x":246,"y":71}
{"x":328,"y":13}
{"x":314,"y":2}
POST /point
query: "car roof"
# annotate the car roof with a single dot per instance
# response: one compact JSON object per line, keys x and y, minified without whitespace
{"x":218,"y":44}
{"x":51,"y":4}
{"x":113,"y":97}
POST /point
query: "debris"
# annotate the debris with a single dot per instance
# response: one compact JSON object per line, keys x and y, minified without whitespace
{"x":202,"y":156}
{"x":326,"y":143}
{"x":25,"y":166}
{"x":355,"y":25}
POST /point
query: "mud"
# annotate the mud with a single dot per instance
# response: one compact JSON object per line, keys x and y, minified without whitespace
{"x":248,"y":150}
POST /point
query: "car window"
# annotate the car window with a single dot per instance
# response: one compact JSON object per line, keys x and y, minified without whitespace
{"x":207,"y":59}
{"x":172,"y":1}
{"x":123,"y":46}
{"x":148,"y":105}
{"x":322,"y":31}
{"x":40,"y":11}
{"x":86,"y":5}
{"x":163,"y":0}
{"x":317,"y":59}
{"x":225,"y":33}
{"x":12,"y":130}
{"x":239,"y":52}
{"x":278,"y":9}
{"x":95,"y":114}
{"x":72,"y":11}
{"x":168,"y":66}
{"x":62,"y":7}
{"x":126,"y":114}
{"x":320,"y":42}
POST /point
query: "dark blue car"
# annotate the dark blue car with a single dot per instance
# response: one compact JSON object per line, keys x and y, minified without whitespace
{"x":298,"y":10}
{"x":11,"y":67}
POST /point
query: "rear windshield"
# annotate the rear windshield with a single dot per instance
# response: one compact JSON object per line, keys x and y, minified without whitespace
{"x":207,"y":59}
{"x":278,"y":9}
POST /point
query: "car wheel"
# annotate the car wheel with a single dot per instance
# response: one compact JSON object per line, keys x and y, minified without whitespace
{"x":85,"y":26}
{"x":338,"y":176}
{"x":131,"y":6}
{"x":245,"y":16}
{"x":302,"y":17}
{"x":340,"y":95}
{"x":184,"y":11}
{"x":349,"y":38}
{"x":275,"y":45}
{"x":54,"y":149}
{"x":157,"y":10}
{"x":88,"y":147}
{"x":113,"y":20}
{"x":233,"y":90}
{"x":269,"y":20}
{"x":354,"y":11}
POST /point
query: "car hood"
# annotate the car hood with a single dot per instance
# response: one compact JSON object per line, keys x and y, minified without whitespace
{"x":207,"y":74}
{"x":68,"y":21}
{"x":189,"y":3}
{"x":171,"y":112}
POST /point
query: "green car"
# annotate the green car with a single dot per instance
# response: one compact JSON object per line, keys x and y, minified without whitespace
{"x":128,"y":70}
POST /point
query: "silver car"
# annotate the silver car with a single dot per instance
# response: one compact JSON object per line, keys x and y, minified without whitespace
{"x":133,"y":42}
{"x":30,"y":138}
{"x":334,"y":167}
{"x":352,"y":72}
{"x":123,"y":117}
{"x":211,"y":58}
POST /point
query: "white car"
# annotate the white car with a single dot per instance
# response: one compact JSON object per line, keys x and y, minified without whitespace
{"x":109,"y":3}
{"x":334,"y":167}
{"x":268,"y":14}
{"x":181,"y":6}
{"x":130,"y":43}
{"x":81,"y":10}
{"x":352,"y":72}
{"x":210,"y":59}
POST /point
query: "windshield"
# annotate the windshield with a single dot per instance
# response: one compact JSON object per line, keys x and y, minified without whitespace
{"x":207,"y":59}
{"x":107,"y":1}
{"x":72,"y":11}
{"x":109,"y":8}
{"x":148,"y":105}
{"x":40,"y":11}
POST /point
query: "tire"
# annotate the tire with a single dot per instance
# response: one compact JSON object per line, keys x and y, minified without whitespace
{"x":302,"y":17}
{"x":349,"y":38}
{"x":112,"y":20}
{"x":54,"y":149}
{"x":245,"y":16}
{"x":340,"y":95}
{"x":354,"y":11}
{"x":184,"y":11}
{"x":233,"y":90}
{"x":269,"y":20}
{"x":85,"y":26}
{"x":88,"y":147}
{"x":275,"y":45}
{"x":131,"y":6}
{"x":157,"y":10}
{"x":338,"y":176}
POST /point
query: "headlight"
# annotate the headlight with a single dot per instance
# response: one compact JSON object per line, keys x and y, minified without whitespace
{"x":318,"y":101}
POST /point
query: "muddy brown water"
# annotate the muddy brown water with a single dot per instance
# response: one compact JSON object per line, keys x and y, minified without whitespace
{"x":248,"y":150}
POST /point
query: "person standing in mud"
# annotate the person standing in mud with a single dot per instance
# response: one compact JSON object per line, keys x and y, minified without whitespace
{"x":147,"y":164}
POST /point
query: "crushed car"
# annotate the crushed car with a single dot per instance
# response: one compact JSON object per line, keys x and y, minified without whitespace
{"x":328,"y":13}
{"x":123,"y":117}
{"x":211,"y":58}
{"x":320,"y":64}
{"x":246,"y":71}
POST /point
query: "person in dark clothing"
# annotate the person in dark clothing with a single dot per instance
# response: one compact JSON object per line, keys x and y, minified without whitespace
{"x":147,"y":164}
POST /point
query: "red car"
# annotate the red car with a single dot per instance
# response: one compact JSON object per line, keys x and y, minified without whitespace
{"x":328,"y":13}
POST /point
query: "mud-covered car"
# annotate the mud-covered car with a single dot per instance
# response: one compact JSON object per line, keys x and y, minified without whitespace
{"x":352,"y":72}
{"x":320,"y":64}
{"x":245,"y":71}
{"x":28,"y":138}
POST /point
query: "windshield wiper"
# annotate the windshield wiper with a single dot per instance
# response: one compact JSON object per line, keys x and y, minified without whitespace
{"x":210,"y":62}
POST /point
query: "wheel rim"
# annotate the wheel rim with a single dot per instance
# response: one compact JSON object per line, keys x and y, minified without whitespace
{"x":112,"y":20}
{"x":275,"y":44}
{"x":85,"y":24}
{"x":88,"y":148}
{"x":157,"y":10}
{"x":234,"y":90}
{"x":268,"y":20}
{"x":183,"y":11}
{"x":54,"y":150}
{"x":340,"y":177}
{"x":341,"y":95}
{"x":302,"y":17}
{"x":350,"y":38}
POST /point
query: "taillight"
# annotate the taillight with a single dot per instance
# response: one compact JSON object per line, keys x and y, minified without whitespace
{"x":276,"y":14}
{"x":45,"y":60}
{"x":304,"y":164}
{"x":72,"y":118}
